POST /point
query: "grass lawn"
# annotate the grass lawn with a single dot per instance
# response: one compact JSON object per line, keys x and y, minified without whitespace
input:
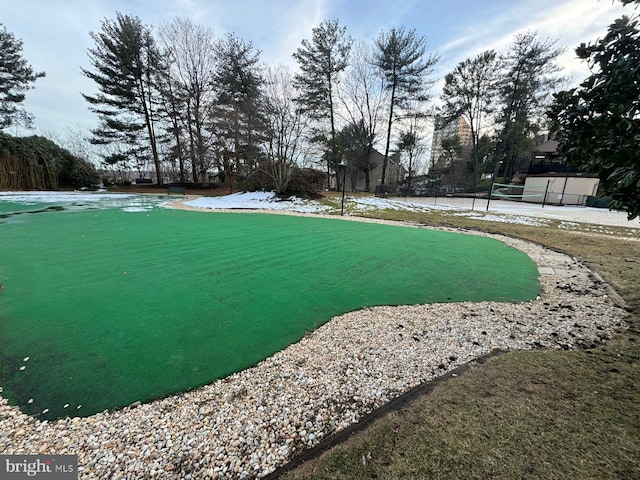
{"x":100,"y":308}
{"x":543,"y":414}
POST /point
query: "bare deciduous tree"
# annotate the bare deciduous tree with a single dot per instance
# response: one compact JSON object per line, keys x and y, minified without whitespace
{"x":189,"y":90}
{"x":412,"y":144}
{"x":362,"y":98}
{"x":286,"y":126}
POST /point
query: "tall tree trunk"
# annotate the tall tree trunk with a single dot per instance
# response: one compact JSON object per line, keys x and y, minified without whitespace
{"x":193,"y":156}
{"x":146,"y":102}
{"x":183,"y":175}
{"x":410,"y":166}
{"x":386,"y":149}
{"x":228,"y":169}
{"x":154,"y":152}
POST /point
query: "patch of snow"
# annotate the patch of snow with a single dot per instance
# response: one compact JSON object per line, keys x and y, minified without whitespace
{"x":518,"y":219}
{"x":129,"y":202}
{"x":29,"y":198}
{"x":257,"y":201}
{"x":569,"y":225}
{"x":499,"y":210}
{"x":135,"y":209}
{"x":376,"y":203}
{"x":569,"y":213}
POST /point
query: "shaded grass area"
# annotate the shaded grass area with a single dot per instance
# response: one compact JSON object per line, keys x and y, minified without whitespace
{"x":542,"y":414}
{"x":113,"y":307}
{"x":521,"y":415}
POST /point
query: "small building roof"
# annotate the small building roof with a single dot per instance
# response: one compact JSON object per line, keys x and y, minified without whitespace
{"x":563,"y":174}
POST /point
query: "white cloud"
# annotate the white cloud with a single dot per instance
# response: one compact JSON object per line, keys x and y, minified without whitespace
{"x":571,"y":22}
{"x":56,"y":34}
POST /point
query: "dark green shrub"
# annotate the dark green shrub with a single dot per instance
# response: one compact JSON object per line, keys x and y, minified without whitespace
{"x":306,"y":182}
{"x":37,"y":163}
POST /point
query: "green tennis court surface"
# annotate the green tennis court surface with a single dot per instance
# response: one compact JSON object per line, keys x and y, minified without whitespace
{"x":101,"y":308}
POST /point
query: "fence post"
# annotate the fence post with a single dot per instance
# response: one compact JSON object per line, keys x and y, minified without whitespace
{"x":544,"y":199}
{"x":490,"y":193}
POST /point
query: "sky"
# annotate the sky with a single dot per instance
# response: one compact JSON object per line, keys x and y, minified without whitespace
{"x":56,"y":35}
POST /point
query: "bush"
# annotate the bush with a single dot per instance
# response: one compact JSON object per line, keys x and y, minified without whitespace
{"x":306,"y":182}
{"x":37,"y":163}
{"x":78,"y":173}
{"x":259,"y":180}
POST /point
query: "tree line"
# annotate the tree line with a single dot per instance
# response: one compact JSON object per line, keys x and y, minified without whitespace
{"x":502,"y":97}
{"x":193,"y":105}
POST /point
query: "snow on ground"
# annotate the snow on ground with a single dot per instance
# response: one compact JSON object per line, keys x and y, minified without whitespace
{"x":519,"y":219}
{"x":499,"y":210}
{"x":30,"y":198}
{"x":568,"y":217}
{"x":258,"y":201}
{"x":128,"y":202}
{"x":535,"y":211}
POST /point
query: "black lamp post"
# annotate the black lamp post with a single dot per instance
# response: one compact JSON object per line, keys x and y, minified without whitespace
{"x":343,"y":164}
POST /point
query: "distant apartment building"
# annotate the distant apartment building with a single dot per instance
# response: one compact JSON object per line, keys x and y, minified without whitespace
{"x":459,"y":128}
{"x":394,"y":175}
